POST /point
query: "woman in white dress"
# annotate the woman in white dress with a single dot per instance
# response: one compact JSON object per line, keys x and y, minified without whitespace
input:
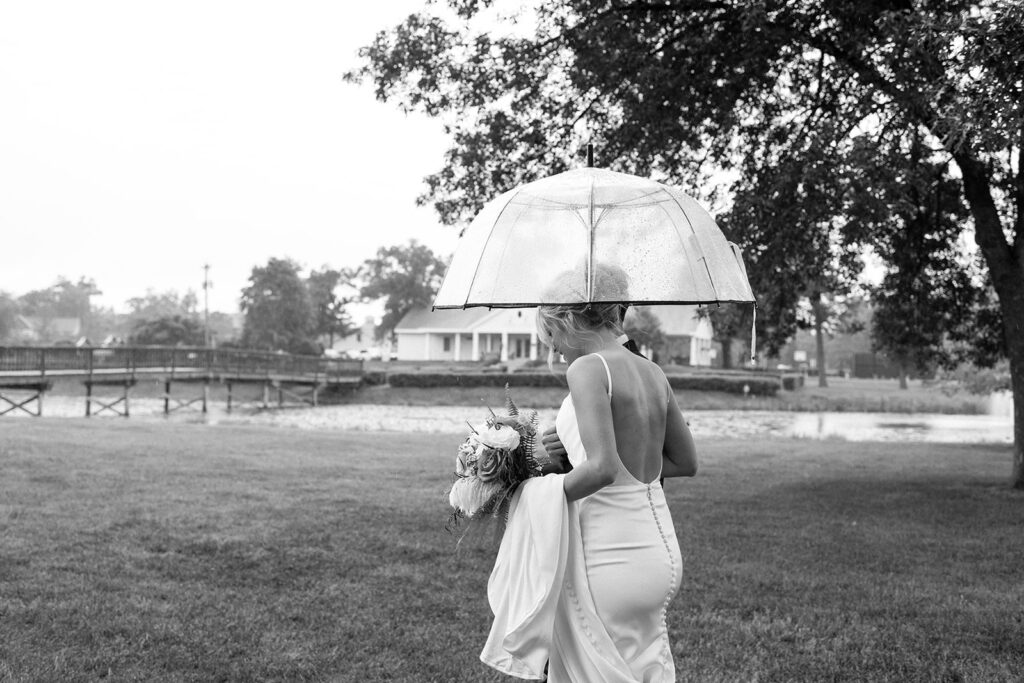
{"x":623,"y":432}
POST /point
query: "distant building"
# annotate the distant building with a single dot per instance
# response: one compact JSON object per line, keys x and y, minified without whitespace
{"x":471,"y":334}
{"x":510,"y":333}
{"x":360,"y":341}
{"x":688,"y":336}
{"x":36,"y":329}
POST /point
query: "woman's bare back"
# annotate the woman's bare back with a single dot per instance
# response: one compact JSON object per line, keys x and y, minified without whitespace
{"x":639,"y":410}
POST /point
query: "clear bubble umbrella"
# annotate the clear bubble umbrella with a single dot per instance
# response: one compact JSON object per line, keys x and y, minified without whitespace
{"x":593,"y":235}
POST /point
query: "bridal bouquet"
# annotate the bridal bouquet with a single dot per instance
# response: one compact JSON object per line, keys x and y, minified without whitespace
{"x":494,"y":459}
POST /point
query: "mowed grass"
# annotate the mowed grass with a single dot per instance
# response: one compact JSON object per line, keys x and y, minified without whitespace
{"x":133,"y":550}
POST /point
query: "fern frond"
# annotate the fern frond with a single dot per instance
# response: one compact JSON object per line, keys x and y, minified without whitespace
{"x":510,"y":405}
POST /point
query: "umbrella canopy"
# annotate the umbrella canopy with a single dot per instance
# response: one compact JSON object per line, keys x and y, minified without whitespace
{"x":593,"y":235}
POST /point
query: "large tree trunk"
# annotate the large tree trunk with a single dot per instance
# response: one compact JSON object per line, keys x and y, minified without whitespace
{"x":1015,"y":328}
{"x":819,"y":337}
{"x":1006,"y":266}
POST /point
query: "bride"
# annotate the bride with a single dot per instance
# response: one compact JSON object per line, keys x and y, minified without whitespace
{"x":607,"y":601}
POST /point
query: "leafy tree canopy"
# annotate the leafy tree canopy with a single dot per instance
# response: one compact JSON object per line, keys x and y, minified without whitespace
{"x":405,"y":277}
{"x":278,"y":313}
{"x":162,"y":304}
{"x":171,"y":330}
{"x":675,"y":89}
{"x":65,"y":299}
{"x":330,"y":317}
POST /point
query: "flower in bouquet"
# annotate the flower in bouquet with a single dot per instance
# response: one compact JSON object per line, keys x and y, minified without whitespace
{"x":490,"y":464}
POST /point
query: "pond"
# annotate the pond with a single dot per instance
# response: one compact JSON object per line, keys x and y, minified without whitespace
{"x":703,"y":423}
{"x":895,"y":427}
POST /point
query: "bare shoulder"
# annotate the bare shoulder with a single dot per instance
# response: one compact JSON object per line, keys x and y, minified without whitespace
{"x":586,"y":370}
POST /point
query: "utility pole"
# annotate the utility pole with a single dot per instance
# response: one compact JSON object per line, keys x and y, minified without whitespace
{"x":206,"y":305}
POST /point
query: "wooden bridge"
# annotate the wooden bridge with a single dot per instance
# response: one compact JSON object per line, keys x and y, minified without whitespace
{"x":33,"y":369}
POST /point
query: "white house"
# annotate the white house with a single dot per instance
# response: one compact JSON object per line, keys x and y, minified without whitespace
{"x":358,"y":339}
{"x":471,"y":334}
{"x":510,"y":333}
{"x":688,"y":336}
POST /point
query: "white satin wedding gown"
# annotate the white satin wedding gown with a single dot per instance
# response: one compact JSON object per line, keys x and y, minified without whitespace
{"x":583,"y":587}
{"x":633,"y":566}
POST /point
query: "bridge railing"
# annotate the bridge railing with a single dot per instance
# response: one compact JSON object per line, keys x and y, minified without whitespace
{"x":24,"y":360}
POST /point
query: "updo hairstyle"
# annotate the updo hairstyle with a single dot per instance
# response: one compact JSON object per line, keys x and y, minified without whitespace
{"x":576,"y":321}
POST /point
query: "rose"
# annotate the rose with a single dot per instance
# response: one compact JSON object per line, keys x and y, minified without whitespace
{"x":464,"y":459}
{"x":500,"y":436}
{"x":490,"y":464}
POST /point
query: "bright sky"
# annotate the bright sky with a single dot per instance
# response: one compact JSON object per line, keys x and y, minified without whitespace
{"x":140,"y":140}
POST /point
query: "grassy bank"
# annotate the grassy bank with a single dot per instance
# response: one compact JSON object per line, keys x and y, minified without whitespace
{"x":842,"y":395}
{"x":173,"y":552}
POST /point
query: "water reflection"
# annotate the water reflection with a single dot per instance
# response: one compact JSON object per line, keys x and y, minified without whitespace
{"x":898,"y":427}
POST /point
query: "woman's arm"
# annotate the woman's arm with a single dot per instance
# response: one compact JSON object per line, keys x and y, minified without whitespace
{"x":679,"y":454}
{"x":589,"y":392}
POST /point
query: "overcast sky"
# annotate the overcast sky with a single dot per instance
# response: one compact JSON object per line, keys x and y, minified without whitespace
{"x":141,"y":139}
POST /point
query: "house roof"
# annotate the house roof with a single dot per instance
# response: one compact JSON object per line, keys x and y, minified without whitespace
{"x":59,"y":327}
{"x":442,"y":319}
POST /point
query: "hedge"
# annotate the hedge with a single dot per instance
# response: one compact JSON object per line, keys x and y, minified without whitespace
{"x":758,"y":386}
{"x":475,"y":379}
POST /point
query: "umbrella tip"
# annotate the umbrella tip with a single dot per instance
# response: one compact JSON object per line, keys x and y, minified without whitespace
{"x":590,"y":155}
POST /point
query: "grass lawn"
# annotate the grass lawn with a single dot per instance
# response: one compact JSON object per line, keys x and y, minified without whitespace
{"x":157,"y":551}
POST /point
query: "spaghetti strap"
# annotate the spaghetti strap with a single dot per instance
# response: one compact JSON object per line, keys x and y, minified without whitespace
{"x":608,"y":372}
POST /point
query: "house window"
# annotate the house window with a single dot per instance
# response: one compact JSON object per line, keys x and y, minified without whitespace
{"x":447,"y":344}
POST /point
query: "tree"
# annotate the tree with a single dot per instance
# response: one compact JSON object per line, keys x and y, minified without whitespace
{"x":278,"y":314}
{"x":662,"y":86}
{"x":163,"y":304}
{"x":8,"y":315}
{"x":406,"y":277}
{"x":171,"y":330}
{"x":64,"y":299}
{"x":792,"y":205}
{"x":330,"y":316}
{"x":927,"y":292}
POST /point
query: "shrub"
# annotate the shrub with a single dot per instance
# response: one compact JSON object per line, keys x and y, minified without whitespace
{"x":758,"y":386}
{"x":768,"y":386}
{"x":474,"y":379}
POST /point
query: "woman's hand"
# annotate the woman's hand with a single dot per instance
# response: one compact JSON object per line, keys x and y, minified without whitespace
{"x":558,"y":457}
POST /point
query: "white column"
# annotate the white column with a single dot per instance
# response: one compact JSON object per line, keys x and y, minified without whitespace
{"x":476,"y":346}
{"x":458,"y":346}
{"x":504,"y":346}
{"x":533,"y":345}
{"x":426,"y":346}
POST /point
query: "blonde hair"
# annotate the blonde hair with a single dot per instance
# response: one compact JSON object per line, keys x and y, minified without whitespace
{"x":576,"y":320}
